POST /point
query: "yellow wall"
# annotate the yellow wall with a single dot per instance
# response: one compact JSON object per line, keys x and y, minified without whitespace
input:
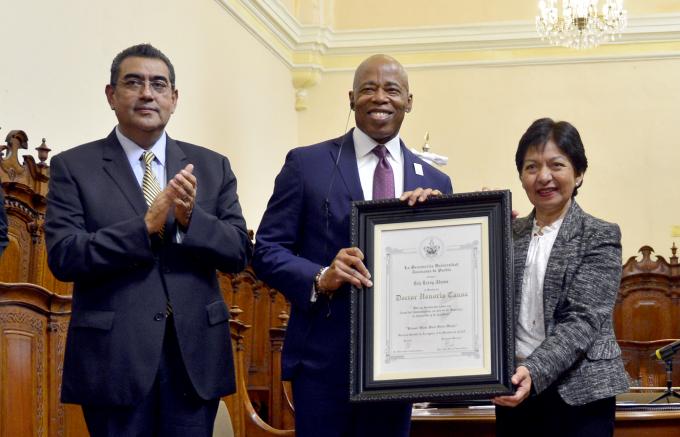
{"x":626,"y":113}
{"x":235,"y":96}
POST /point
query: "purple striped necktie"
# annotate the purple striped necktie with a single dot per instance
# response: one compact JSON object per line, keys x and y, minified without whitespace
{"x":383,"y":177}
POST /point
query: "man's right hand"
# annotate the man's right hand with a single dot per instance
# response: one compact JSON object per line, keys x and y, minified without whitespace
{"x":158,"y":211}
{"x":169,"y":198}
{"x":347,"y":267}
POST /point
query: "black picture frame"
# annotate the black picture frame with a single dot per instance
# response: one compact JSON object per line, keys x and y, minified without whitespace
{"x":488,"y":212}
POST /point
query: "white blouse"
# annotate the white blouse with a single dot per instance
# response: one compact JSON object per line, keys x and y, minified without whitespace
{"x":531,"y":324}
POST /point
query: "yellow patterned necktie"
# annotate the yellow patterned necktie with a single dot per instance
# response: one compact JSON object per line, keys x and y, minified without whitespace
{"x":150,"y":186}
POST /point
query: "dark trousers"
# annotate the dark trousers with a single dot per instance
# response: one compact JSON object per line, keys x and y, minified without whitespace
{"x":172,"y":407}
{"x":548,"y":415}
{"x":323,"y":409}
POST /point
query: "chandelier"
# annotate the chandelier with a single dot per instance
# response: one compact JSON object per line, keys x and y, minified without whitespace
{"x":580,"y":25}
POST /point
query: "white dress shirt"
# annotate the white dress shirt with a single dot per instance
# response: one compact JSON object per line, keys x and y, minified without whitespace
{"x":531,"y":323}
{"x":134,"y":154}
{"x":367,"y":161}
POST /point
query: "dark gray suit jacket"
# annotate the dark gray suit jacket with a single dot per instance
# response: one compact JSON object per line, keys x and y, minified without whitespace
{"x":96,"y":237}
{"x":580,"y":353}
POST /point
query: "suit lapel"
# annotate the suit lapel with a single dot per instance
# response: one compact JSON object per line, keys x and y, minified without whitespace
{"x":558,"y":261}
{"x":347,"y":166}
{"x":412,"y":180}
{"x":175,"y":159}
{"x":117,"y":166}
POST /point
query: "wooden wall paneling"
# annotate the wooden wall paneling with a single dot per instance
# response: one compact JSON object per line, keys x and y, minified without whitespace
{"x":648,"y":302}
{"x":22,"y":348}
{"x":33,"y":325}
{"x":256,"y":296}
{"x":15,"y":262}
{"x":10,"y":262}
{"x":646,"y":316}
{"x":65,"y":420}
{"x":644,"y":370}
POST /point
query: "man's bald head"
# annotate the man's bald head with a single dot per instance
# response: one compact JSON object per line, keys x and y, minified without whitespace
{"x":373,"y":62}
{"x":380,"y":97}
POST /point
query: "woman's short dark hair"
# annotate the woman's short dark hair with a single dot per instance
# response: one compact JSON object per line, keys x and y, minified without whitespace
{"x":141,"y":51}
{"x":563,"y":134}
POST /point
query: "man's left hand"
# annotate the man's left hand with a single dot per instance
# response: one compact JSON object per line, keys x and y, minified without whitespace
{"x":183,"y":186}
{"x":418,"y":195}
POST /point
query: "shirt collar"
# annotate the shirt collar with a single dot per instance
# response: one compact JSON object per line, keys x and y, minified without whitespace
{"x":134,"y":151}
{"x":363,"y":145}
{"x":543,"y":230}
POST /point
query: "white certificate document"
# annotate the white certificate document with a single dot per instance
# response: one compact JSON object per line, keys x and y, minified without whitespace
{"x":431,"y":299}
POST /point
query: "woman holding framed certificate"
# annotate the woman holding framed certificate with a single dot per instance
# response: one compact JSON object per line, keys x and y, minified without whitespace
{"x":567,"y":273}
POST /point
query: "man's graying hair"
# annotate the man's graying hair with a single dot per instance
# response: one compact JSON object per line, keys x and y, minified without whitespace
{"x":141,"y":51}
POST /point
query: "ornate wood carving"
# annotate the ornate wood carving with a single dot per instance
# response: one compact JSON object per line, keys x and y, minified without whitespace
{"x":646,"y":315}
{"x":28,"y":174}
{"x":25,"y":187}
{"x":648,"y":305}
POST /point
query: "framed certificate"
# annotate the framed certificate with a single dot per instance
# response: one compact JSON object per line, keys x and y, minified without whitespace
{"x":438,"y":322}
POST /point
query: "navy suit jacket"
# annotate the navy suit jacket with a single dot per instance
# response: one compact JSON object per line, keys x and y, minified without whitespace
{"x":96,"y":237}
{"x":306,"y":223}
{"x":3,"y":224}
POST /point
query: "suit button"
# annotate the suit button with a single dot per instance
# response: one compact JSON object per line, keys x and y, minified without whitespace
{"x":158,"y":317}
{"x":166,"y":269}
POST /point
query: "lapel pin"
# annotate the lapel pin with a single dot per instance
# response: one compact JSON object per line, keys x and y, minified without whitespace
{"x":418,"y":168}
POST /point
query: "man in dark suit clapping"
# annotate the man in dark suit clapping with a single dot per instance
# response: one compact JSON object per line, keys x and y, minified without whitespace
{"x":140,"y":222}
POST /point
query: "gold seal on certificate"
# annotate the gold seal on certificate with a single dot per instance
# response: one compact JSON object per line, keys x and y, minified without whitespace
{"x":424,"y":331}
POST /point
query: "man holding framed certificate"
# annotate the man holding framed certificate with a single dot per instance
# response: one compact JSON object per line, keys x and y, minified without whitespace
{"x":303,"y":248}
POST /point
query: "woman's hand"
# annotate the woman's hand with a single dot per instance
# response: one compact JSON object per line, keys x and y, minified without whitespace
{"x":522,"y":379}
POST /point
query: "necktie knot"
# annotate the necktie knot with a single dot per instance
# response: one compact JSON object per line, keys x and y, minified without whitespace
{"x":380,"y":151}
{"x":148,"y":157}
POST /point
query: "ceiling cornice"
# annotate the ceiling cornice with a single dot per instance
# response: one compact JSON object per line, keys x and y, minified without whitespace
{"x":308,"y":50}
{"x":323,"y":49}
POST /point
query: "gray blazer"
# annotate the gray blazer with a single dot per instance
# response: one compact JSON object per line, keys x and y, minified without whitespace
{"x":580,"y":353}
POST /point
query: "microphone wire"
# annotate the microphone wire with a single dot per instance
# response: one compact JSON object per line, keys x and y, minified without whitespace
{"x":326,"y":206}
{"x":327,"y":213}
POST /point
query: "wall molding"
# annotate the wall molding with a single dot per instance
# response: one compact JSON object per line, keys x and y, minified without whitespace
{"x":322,"y":49}
{"x":309,"y":51}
